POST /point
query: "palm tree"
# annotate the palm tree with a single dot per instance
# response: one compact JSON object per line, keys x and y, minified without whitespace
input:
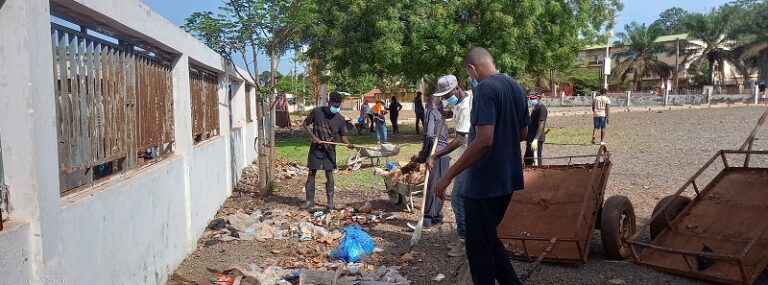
{"x":639,"y":56}
{"x":709,"y":35}
{"x":752,"y":35}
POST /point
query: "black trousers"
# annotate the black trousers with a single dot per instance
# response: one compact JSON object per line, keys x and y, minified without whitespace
{"x":488,"y":260}
{"x":370,"y":120}
{"x":393,"y":118}
{"x":529,"y":153}
{"x":419,"y":118}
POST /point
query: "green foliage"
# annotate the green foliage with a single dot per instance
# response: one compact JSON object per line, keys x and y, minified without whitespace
{"x":583,"y":79}
{"x":698,"y":74}
{"x":671,"y":21}
{"x":639,"y":56}
{"x":414,"y":38}
{"x":712,"y":30}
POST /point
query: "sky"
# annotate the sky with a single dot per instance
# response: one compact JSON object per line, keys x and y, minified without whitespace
{"x":642,"y":11}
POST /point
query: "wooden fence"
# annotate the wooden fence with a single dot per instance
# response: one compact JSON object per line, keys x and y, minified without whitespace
{"x":204,"y":95}
{"x":113,"y":103}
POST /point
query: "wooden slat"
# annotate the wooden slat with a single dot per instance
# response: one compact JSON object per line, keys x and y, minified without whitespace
{"x":90,"y":133}
{"x":59,"y":79}
{"x":73,"y":100}
{"x":82,"y":106}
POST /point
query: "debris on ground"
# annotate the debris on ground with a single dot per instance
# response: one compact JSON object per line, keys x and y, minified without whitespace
{"x":355,"y":244}
{"x":286,"y":169}
{"x":615,"y":281}
{"x":439,"y":277}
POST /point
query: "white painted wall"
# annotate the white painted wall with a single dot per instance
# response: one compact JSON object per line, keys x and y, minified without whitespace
{"x":132,"y":228}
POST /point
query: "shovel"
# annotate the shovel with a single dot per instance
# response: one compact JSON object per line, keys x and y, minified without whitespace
{"x":420,"y":226}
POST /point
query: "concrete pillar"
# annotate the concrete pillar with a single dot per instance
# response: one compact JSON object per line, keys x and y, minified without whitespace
{"x":629,"y":98}
{"x":756,"y":95}
{"x":709,"y":96}
{"x":562,"y":98}
{"x":666,"y":97}
{"x":28,"y":124}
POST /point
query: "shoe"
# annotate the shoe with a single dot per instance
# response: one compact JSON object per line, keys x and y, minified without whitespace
{"x":310,"y":201}
{"x":602,"y":143}
{"x":459,"y":250}
{"x":593,"y":140}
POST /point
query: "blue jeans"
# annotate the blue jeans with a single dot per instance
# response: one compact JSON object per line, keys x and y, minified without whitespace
{"x":599,"y":122}
{"x":381,"y":130}
{"x":457,"y":203}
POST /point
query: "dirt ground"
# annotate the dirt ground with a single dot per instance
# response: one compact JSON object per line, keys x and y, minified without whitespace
{"x":653,"y":153}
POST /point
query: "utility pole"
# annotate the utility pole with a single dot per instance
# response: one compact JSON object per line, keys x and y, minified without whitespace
{"x":677,"y":65}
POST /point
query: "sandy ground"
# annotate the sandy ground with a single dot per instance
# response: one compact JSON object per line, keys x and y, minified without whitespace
{"x":653,"y":153}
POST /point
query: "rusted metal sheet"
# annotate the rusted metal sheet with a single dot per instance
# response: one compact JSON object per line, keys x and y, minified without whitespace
{"x":112,"y":102}
{"x":205,"y":107}
{"x":728,"y":216}
{"x":559,"y":201}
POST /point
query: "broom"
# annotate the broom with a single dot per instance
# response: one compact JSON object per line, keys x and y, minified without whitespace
{"x":420,"y":226}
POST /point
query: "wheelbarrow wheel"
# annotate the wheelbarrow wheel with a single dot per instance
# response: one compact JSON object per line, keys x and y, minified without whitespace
{"x":678,"y":204}
{"x":617,"y":226}
{"x":395,"y":197}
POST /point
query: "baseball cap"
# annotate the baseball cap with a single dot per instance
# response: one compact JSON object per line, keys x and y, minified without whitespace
{"x":446,"y":84}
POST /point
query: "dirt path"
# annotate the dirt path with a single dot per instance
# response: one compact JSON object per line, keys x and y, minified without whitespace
{"x":653,"y":154}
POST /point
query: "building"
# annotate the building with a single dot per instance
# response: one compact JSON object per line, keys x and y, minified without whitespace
{"x":121,"y":135}
{"x":726,"y":76}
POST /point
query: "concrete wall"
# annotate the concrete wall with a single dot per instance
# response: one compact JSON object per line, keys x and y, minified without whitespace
{"x":131,"y":228}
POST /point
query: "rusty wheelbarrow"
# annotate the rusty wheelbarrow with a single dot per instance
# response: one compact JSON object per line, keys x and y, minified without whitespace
{"x":554,"y":217}
{"x":720,"y":234}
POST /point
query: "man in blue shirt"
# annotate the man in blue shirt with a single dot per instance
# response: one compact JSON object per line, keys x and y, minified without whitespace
{"x":493,"y":160}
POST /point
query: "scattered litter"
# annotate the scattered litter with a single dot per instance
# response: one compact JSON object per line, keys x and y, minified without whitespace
{"x":615,"y":281}
{"x":393,"y":217}
{"x":439,"y":277}
{"x":240,"y":221}
{"x":217,"y":224}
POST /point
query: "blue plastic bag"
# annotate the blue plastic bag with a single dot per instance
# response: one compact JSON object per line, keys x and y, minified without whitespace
{"x":355,"y":244}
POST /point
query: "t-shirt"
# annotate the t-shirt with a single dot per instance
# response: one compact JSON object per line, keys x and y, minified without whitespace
{"x":432,"y":121}
{"x":364,"y":109}
{"x":499,"y":101}
{"x":461,"y":115}
{"x":377,"y":111}
{"x":538,"y":114}
{"x":328,"y":127}
{"x":600,"y":104}
{"x":418,"y":106}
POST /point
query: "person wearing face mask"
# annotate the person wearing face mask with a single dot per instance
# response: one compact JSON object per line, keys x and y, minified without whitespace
{"x":453,"y":96}
{"x":327,"y":125}
{"x":536,"y":133}
{"x":494,"y":165}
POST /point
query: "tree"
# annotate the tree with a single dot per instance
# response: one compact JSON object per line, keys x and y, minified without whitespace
{"x":671,"y":21}
{"x":751,"y":32}
{"x":709,"y":35}
{"x":243,"y":26}
{"x":411,"y":39}
{"x":639,"y":55}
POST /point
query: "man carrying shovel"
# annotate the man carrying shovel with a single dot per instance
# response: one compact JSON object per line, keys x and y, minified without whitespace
{"x":327,"y":125}
{"x":434,"y":129}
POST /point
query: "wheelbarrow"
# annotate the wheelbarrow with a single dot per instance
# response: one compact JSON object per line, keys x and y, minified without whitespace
{"x":355,"y":161}
{"x":720,"y":234}
{"x":554,"y":217}
{"x":404,"y":193}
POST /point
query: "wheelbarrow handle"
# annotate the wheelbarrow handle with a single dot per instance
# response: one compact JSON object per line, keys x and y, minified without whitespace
{"x":335,"y":143}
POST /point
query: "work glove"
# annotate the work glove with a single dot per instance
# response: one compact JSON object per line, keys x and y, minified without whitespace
{"x":535,"y":144}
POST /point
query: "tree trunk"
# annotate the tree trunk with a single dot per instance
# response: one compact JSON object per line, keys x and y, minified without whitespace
{"x":260,"y":143}
{"x":711,"y":69}
{"x":274,"y":61}
{"x":763,"y":66}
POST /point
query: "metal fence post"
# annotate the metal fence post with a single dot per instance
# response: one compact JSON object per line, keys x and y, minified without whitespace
{"x":709,"y":96}
{"x":629,"y":99}
{"x":666,"y":97}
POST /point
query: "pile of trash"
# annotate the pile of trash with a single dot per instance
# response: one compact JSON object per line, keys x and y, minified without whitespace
{"x":286,"y":169}
{"x":340,"y":274}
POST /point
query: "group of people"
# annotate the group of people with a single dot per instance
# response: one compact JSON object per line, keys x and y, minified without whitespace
{"x":375,"y":116}
{"x":490,"y":125}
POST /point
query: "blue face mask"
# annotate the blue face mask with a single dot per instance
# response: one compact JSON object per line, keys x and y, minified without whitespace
{"x":534,"y":102}
{"x":474,"y":83}
{"x":451,"y":101}
{"x":335,"y":109}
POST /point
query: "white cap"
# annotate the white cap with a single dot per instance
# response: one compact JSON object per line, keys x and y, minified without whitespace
{"x":445,"y":84}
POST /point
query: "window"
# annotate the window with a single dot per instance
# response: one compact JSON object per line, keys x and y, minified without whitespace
{"x":204,"y":87}
{"x":248,"y":95}
{"x":114,"y":106}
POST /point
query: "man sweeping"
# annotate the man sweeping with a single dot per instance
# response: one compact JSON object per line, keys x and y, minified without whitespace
{"x":494,"y":166}
{"x":451,"y":94}
{"x":327,"y":125}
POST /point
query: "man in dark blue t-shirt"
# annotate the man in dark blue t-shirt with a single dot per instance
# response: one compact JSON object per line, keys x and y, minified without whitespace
{"x":494,"y":163}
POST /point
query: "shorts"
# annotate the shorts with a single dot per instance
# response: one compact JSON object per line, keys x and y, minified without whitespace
{"x":600,"y":122}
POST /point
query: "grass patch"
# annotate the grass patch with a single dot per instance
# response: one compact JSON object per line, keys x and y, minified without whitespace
{"x":574,"y":135}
